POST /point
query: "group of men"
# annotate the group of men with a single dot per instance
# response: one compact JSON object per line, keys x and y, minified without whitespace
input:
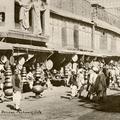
{"x":95,"y":80}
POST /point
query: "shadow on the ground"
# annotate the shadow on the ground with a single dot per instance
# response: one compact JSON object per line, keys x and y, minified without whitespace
{"x":34,"y":98}
{"x":69,"y":92}
{"x":116,"y":89}
{"x":65,"y":97}
{"x":110,"y":104}
{"x":11,"y":107}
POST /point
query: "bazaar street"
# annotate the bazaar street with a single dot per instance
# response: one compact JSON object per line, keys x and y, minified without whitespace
{"x":56,"y":105}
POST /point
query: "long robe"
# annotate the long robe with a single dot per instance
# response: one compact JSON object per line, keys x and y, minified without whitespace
{"x":37,"y":8}
{"x":100,"y":83}
{"x":24,"y":13}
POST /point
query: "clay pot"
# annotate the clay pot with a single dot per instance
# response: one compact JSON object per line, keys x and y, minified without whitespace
{"x":8,"y":80}
{"x":37,"y":75}
{"x":38,"y":89}
{"x":8,"y":85}
{"x":8,"y":73}
{"x":24,"y":72}
{"x":8,"y":92}
{"x":8,"y":77}
{"x":37,"y":82}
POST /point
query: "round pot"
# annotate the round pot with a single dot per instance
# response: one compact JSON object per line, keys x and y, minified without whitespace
{"x":8,"y":77}
{"x":8,"y":92}
{"x":8,"y":80}
{"x":38,"y":89}
{"x":8,"y":74}
{"x":8,"y":85}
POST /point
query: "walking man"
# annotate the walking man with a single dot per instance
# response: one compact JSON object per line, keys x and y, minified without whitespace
{"x":17,"y":88}
{"x":73,"y":85}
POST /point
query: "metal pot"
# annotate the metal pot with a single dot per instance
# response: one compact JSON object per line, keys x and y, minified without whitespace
{"x":8,"y":80}
{"x":8,"y":73}
{"x":8,"y":85}
{"x":38,"y":89}
{"x":8,"y":92}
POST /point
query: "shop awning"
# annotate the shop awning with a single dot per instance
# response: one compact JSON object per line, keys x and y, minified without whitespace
{"x":5,"y":46}
{"x":76,"y":52}
{"x":31,"y":48}
{"x":66,"y":51}
{"x":9,"y":46}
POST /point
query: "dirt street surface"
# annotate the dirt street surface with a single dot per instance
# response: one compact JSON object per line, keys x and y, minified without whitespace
{"x":56,"y":105}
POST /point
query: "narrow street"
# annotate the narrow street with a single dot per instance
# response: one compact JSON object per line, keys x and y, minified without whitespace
{"x":55,"y":105}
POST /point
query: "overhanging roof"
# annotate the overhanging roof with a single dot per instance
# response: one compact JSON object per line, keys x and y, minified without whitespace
{"x":67,"y":14}
{"x":18,"y":34}
{"x":31,"y":47}
{"x":5,"y":46}
{"x":107,"y":26}
{"x":9,"y":46}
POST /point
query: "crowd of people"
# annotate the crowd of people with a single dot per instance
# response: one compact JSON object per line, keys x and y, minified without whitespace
{"x":95,"y":79}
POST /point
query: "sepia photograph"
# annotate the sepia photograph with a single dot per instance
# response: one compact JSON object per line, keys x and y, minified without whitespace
{"x":59,"y":59}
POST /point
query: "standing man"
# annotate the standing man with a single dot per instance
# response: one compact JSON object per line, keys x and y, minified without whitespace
{"x":17,"y":88}
{"x":91,"y":82}
{"x":80,"y":81}
{"x":100,"y":84}
{"x":73,"y":85}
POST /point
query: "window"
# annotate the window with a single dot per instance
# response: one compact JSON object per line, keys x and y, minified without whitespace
{"x":2,"y":17}
{"x":76,"y":36}
{"x":64,"y":36}
{"x":103,"y":41}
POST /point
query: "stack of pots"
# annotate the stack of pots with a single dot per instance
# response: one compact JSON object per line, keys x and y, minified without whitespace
{"x":24,"y":74}
{"x":24,"y":78}
{"x":37,"y":88}
{"x":8,"y":87}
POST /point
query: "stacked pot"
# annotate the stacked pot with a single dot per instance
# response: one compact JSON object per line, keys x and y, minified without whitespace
{"x":8,"y":87}
{"x":24,"y":74}
{"x":37,"y":88}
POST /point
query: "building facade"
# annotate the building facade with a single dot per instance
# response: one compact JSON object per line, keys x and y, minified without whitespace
{"x":111,"y":6}
{"x":68,"y":27}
